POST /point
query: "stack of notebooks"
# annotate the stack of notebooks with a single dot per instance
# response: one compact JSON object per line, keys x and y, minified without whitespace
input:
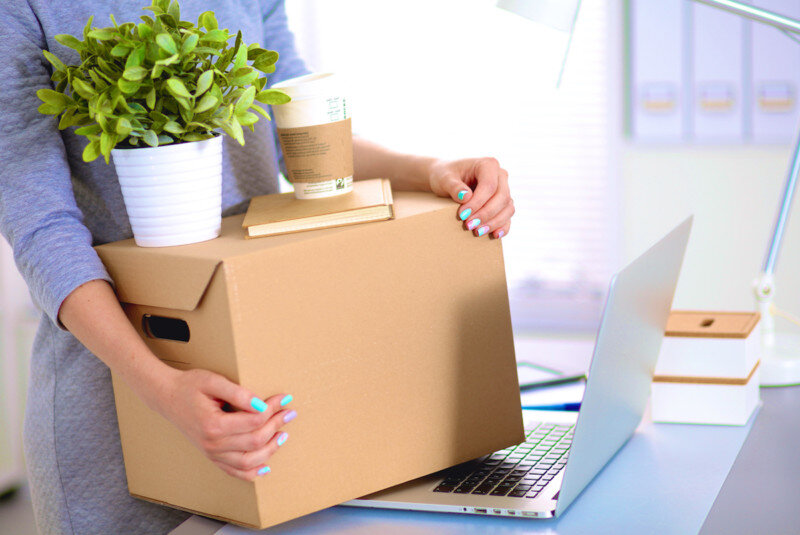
{"x":282,"y":213}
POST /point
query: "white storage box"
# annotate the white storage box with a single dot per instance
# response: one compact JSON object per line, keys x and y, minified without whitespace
{"x":707,"y":372}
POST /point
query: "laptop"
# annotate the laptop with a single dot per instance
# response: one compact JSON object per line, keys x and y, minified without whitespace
{"x":541,"y":477}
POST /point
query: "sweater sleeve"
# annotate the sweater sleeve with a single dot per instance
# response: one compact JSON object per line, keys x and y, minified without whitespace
{"x":278,"y":37}
{"x":38,"y":213}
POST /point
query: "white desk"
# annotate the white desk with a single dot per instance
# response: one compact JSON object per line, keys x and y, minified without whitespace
{"x":664,"y":480}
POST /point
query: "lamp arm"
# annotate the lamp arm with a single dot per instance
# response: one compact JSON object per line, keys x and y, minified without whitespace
{"x":754,"y":13}
{"x":791,"y":27}
{"x":783,"y":214}
{"x":764,"y":285}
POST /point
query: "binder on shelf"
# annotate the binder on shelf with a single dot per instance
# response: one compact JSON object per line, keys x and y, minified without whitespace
{"x":718,"y":72}
{"x":656,"y":70}
{"x":775,"y":78}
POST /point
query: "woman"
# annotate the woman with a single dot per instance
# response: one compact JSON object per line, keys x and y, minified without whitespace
{"x":54,"y":207}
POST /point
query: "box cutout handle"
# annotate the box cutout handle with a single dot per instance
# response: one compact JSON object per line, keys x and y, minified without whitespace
{"x":707,"y":322}
{"x":165,"y":328}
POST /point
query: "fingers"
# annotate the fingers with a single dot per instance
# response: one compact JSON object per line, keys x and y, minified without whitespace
{"x":497,"y":226}
{"x":250,"y":464}
{"x":502,"y":231}
{"x":237,"y":396}
{"x":487,"y":173}
{"x":489,"y":211}
{"x":222,"y":425}
{"x":256,"y":438}
{"x":457,"y":189}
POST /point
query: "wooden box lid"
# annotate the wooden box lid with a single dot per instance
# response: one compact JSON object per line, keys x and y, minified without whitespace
{"x":710,"y":324}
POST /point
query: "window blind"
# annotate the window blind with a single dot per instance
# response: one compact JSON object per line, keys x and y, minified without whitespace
{"x":461,"y":78}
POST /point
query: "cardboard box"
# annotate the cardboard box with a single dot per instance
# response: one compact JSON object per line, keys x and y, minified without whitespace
{"x":707,"y":371}
{"x":393,"y":337}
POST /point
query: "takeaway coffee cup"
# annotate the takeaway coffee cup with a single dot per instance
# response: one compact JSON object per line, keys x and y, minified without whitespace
{"x":315,"y":136}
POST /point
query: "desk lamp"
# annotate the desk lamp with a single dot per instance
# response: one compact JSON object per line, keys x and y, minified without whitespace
{"x":780,"y":362}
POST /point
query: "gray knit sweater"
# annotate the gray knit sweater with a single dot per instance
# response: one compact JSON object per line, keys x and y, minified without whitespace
{"x":53,"y":209}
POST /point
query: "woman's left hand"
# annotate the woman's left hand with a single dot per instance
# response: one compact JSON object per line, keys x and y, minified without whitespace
{"x":480,"y":186}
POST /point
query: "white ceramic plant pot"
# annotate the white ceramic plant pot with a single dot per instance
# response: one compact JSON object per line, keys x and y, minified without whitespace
{"x":173,"y":193}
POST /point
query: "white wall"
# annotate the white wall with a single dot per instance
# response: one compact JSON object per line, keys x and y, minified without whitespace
{"x":734,"y":193}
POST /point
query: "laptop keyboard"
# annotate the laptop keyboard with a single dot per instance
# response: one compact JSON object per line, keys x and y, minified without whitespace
{"x":520,"y":471}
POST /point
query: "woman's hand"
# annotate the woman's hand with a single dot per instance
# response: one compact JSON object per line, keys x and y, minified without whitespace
{"x":480,"y":185}
{"x":239,"y":441}
{"x":198,"y":402}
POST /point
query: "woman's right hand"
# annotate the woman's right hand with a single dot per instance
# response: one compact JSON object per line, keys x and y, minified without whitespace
{"x":240,"y":442}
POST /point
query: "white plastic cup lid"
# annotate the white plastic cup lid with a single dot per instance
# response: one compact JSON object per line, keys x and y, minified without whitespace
{"x":313,"y":85}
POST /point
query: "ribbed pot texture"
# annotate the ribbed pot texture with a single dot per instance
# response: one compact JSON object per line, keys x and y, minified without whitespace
{"x":173,"y":193}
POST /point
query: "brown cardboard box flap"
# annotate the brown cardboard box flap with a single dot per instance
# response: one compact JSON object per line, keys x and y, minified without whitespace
{"x":180,"y":283}
{"x":186,"y":270}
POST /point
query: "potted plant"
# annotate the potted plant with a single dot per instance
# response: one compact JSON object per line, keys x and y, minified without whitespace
{"x":155,"y":96}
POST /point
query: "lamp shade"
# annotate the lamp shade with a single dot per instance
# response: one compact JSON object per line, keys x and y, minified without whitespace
{"x":558,"y":14}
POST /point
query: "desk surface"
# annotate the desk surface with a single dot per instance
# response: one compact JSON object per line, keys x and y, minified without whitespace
{"x":664,"y":480}
{"x":761,"y":492}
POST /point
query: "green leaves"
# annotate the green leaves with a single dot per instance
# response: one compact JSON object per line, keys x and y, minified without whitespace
{"x":245,"y":101}
{"x":216,"y":36}
{"x":83,"y":89}
{"x":123,"y":127}
{"x":145,"y":31}
{"x":54,"y":61}
{"x":102,"y":35}
{"x":150,"y":99}
{"x":53,"y":102}
{"x":71,"y":42}
{"x":92,"y":151}
{"x":189,"y":44}
{"x":161,"y":80}
{"x":176,"y":87}
{"x":204,"y":83}
{"x":208,"y":21}
{"x":165,"y":41}
{"x":127,"y":86}
{"x":136,"y":57}
{"x":120,"y":51}
{"x":173,"y":127}
{"x":206,"y":103}
{"x":243,"y":76}
{"x":240,"y":58}
{"x":135,"y":73}
{"x":273,"y":96}
{"x":107,"y":142}
{"x":150,"y":137}
{"x":174,"y":58}
{"x":263,"y":60}
{"x":174,"y":10}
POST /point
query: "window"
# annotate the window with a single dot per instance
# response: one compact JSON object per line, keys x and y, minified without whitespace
{"x":460,"y":78}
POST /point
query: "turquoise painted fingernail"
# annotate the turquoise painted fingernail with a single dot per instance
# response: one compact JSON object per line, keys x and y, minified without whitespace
{"x":465,"y":214}
{"x":258,"y":404}
{"x":286,"y":400}
{"x":264,"y":471}
{"x":474,"y":223}
{"x":500,"y":234}
{"x":462,"y":194}
{"x":282,"y":438}
{"x":483,"y":230}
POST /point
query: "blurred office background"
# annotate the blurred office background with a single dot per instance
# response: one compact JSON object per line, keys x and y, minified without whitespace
{"x":666,"y":109}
